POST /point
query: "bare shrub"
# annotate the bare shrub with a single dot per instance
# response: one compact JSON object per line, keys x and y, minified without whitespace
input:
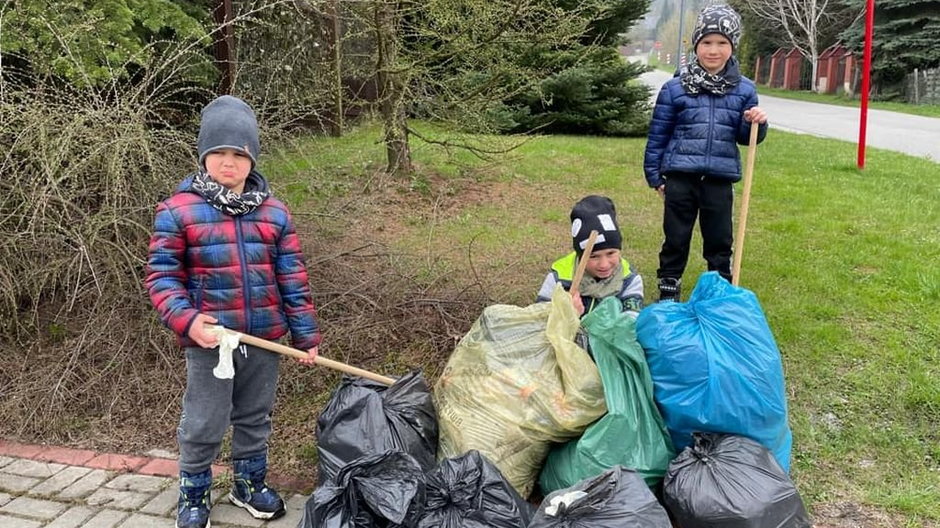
{"x":83,"y":169}
{"x":83,"y":359}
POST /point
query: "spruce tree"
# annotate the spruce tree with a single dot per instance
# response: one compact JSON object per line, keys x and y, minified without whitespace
{"x":591,"y":90}
{"x":90,"y":42}
{"x":905,"y":37}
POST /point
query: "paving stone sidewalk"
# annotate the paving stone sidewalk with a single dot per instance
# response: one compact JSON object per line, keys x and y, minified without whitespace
{"x":48,"y":487}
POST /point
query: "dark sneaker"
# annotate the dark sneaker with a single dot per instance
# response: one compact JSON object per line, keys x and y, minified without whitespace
{"x":250,"y":491}
{"x":192,"y":510}
{"x":670,"y":289}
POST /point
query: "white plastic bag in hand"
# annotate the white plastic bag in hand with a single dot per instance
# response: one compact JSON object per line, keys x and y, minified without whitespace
{"x":228,"y":342}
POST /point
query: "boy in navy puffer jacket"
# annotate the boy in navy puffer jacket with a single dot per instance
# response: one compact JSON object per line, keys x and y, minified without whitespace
{"x":692,"y":157}
{"x":224,"y":251}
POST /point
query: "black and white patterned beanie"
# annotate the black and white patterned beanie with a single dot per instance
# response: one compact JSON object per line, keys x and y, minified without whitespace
{"x":228,"y":122}
{"x":595,"y":213}
{"x":721,"y":19}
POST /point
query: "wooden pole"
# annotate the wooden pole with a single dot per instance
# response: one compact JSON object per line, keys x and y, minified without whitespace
{"x":582,"y":263}
{"x":745,"y":202}
{"x":320,"y":360}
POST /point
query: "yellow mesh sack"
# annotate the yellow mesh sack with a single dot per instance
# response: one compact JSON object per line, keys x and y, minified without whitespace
{"x":516,"y":383}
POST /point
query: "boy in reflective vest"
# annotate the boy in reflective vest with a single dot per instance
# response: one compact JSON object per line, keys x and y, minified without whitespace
{"x":607,"y":273}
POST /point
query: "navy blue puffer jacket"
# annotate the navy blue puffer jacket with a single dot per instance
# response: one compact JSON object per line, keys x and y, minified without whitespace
{"x":699,"y":134}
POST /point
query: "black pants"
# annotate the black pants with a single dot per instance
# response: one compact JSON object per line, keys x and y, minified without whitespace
{"x":689,"y":196}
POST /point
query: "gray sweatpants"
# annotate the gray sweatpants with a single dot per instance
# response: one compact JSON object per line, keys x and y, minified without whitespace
{"x":210,"y":404}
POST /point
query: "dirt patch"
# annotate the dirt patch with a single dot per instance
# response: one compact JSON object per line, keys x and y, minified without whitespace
{"x":844,"y":514}
{"x":388,"y":207}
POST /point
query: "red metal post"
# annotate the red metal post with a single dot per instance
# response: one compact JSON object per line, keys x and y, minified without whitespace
{"x":866,"y":80}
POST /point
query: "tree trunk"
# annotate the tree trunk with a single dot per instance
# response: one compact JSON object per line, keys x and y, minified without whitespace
{"x":391,"y":90}
{"x":333,"y":39}
{"x":814,"y":60}
{"x":225,"y":44}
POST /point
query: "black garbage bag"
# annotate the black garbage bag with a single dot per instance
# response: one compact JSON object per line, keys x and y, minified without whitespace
{"x":616,"y":498}
{"x":729,"y":481}
{"x":469,"y":492}
{"x":366,"y":418}
{"x":381,"y":491}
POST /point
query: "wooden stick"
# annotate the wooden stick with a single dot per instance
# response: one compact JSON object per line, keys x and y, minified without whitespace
{"x":582,"y":263}
{"x":320,"y":360}
{"x":745,"y":202}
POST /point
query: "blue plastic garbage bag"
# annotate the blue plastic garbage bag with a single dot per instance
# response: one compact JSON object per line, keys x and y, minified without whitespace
{"x":716,"y":367}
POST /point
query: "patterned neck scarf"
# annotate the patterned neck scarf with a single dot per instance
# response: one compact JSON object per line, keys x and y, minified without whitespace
{"x":601,"y":288}
{"x":228,"y":201}
{"x":696,"y":80}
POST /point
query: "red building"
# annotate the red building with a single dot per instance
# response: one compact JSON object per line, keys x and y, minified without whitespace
{"x":831,"y":69}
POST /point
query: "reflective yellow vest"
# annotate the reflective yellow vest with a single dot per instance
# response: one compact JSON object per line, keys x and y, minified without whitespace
{"x":564,"y":269}
{"x":565,"y":266}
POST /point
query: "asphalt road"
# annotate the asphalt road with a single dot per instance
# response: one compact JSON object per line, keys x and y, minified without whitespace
{"x":914,"y":135}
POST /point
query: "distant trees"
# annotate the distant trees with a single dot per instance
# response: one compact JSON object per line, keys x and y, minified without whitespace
{"x":906,"y":36}
{"x":805,"y":24}
{"x":88,"y":42}
{"x":667,"y":30}
{"x":477,"y":65}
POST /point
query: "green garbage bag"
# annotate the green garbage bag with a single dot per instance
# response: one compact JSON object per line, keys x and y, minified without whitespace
{"x":515,"y":384}
{"x":632,"y":433}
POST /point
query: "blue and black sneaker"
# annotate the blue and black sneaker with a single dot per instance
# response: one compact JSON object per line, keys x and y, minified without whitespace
{"x":250,"y":491}
{"x":192,"y":511}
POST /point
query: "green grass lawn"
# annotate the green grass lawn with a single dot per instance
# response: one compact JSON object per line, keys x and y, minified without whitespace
{"x":846,"y":264}
{"x":926,"y":110}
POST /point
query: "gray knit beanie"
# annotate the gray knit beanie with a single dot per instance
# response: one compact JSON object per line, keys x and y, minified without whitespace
{"x":228,"y":122}
{"x":721,"y":19}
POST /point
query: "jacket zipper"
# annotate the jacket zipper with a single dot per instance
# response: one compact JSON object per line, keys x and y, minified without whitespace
{"x":711,"y":127}
{"x":243,"y":262}
{"x":200,"y":292}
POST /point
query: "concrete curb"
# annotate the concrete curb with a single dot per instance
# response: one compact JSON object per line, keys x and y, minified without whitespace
{"x":157,"y":466}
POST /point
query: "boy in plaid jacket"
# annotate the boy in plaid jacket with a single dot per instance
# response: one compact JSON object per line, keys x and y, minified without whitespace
{"x":224,"y":251}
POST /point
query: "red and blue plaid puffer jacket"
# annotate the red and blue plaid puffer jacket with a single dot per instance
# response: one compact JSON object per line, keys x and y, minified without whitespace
{"x":246,"y":271}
